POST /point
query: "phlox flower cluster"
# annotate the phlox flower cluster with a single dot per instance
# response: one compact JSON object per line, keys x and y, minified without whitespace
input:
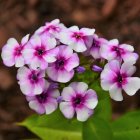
{"x":53,"y":55}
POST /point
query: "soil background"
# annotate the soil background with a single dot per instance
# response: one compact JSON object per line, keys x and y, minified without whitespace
{"x":111,"y":19}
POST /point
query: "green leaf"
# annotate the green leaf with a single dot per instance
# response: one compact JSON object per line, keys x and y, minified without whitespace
{"x":54,"y":127}
{"x":103,"y":109}
{"x":127,"y":127}
{"x":97,"y":129}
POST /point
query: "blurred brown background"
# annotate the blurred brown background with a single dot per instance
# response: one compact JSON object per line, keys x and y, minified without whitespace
{"x":111,"y":19}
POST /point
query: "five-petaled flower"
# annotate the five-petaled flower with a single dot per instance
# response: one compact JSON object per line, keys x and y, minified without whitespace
{"x":113,"y":50}
{"x":116,"y":77}
{"x":12,"y":52}
{"x":78,"y":98}
{"x":46,"y":102}
{"x":40,"y":50}
{"x":78,"y":40}
{"x":31,"y":81}
{"x":53,"y":29}
{"x":62,"y":69}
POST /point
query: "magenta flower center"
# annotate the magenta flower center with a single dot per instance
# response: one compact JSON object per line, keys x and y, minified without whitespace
{"x":18,"y":51}
{"x":51,"y":27}
{"x":59,"y":64}
{"x":78,"y":36}
{"x":40,"y":51}
{"x":78,"y":100}
{"x":95,"y":44}
{"x":120,"y":79}
{"x":33,"y":77}
{"x":119,"y":51}
{"x":42,"y":97}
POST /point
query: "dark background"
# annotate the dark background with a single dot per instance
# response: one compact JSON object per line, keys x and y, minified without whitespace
{"x":111,"y":19}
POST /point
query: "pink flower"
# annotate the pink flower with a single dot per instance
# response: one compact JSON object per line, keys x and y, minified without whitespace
{"x":52,"y":28}
{"x":116,"y":77}
{"x":78,"y":40}
{"x":62,"y":69}
{"x":31,"y":81}
{"x":96,"y":45}
{"x":12,"y":52}
{"x":46,"y":102}
{"x":113,"y":50}
{"x":40,"y":50}
{"x":76,"y":98}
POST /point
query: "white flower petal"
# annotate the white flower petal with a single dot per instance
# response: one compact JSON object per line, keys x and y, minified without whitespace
{"x":19,"y":61}
{"x":22,"y":73}
{"x":68,"y":93}
{"x":79,"y":87}
{"x":87,"y":31}
{"x":67,"y":109}
{"x":51,"y":105}
{"x":79,"y":46}
{"x":72,"y":62}
{"x":91,"y":99}
{"x":116,"y":93}
{"x":83,"y":113}
{"x":128,"y":68}
{"x":65,"y":76}
{"x":12,"y":42}
{"x":132,"y":86}
{"x":25,"y":39}
{"x":37,"y":107}
{"x":130,"y":57}
{"x":73,"y":28}
{"x":38,"y":88}
{"x":127,"y":47}
{"x":114,"y":42}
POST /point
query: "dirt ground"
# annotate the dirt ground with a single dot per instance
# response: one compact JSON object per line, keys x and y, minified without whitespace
{"x":111,"y":19}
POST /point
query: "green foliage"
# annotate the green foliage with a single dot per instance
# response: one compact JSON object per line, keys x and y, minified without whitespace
{"x":54,"y":127}
{"x":97,"y":129}
{"x":127,"y":127}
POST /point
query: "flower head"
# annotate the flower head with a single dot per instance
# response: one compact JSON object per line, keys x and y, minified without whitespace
{"x":62,"y":69}
{"x":78,"y":99}
{"x":116,"y":77}
{"x":40,"y":51}
{"x":12,"y":52}
{"x":113,"y":50}
{"x":77,"y":39}
{"x":46,"y":102}
{"x":31,"y":81}
{"x":52,"y":28}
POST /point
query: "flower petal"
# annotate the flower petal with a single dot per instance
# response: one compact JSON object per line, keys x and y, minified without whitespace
{"x":25,"y":39}
{"x":87,"y":31}
{"x":79,"y":87}
{"x":72,"y":62}
{"x":128,"y":68}
{"x":91,"y":99}
{"x":132,"y":86}
{"x":50,"y":105}
{"x":83,"y":113}
{"x":116,"y":93}
{"x":79,"y":46}
{"x":67,"y":109}
{"x":37,"y":107}
{"x":19,"y":61}
{"x":64,"y":76}
{"x":68,"y":93}
{"x":130,"y":57}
